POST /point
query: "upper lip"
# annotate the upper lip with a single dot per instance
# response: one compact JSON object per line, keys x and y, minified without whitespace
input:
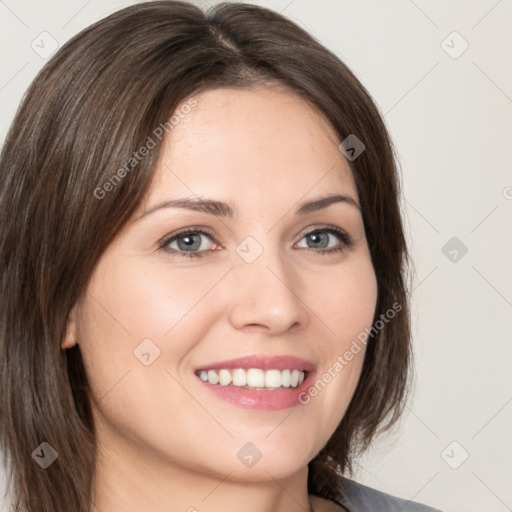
{"x":264,"y":362}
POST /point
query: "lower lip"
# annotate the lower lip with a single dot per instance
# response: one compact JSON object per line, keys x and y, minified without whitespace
{"x":272,"y":400}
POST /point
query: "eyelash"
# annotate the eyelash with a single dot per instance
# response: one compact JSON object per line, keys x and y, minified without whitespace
{"x":346,"y":241}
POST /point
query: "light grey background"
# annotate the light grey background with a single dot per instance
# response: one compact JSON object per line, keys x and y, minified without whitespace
{"x":451,"y":119}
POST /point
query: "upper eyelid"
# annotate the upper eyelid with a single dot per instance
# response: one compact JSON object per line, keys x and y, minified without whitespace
{"x":185,"y":231}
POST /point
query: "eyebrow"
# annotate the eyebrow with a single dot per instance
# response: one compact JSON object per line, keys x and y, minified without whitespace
{"x":222,"y":209}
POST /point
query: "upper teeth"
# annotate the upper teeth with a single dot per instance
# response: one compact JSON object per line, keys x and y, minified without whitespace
{"x":254,"y":377}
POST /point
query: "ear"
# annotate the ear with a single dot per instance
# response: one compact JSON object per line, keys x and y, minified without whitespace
{"x":71,"y":334}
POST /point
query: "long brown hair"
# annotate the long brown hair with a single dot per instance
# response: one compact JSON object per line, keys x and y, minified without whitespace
{"x":89,"y":109}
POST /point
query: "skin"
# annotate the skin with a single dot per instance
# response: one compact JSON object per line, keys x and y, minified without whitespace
{"x":165,"y":442}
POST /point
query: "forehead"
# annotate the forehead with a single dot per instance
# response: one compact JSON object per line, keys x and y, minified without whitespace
{"x":254,"y":144}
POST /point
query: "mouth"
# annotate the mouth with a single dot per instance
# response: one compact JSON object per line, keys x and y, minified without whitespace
{"x":258,"y":382}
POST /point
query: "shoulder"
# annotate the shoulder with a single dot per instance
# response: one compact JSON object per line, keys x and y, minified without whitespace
{"x":355,"y":497}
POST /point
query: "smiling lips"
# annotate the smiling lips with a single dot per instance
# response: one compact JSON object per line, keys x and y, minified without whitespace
{"x":258,"y":382}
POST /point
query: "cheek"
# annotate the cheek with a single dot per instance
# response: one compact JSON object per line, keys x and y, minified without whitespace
{"x":346,"y":307}
{"x":132,"y":310}
{"x":131,"y":301}
{"x":346,"y":302}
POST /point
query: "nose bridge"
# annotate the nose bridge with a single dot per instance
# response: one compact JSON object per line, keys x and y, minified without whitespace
{"x":265,"y":286}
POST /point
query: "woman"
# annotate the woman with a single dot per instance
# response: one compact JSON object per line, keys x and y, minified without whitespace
{"x":204,"y":302}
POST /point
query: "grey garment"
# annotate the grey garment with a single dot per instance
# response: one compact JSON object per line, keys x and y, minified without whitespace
{"x":356,"y":497}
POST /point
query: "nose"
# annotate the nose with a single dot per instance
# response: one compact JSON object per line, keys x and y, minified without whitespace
{"x":267,"y":294}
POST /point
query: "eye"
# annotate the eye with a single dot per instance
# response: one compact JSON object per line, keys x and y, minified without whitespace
{"x":187,"y":243}
{"x":321,"y":237}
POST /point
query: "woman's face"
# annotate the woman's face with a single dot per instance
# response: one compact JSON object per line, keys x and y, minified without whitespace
{"x":164,"y":311}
